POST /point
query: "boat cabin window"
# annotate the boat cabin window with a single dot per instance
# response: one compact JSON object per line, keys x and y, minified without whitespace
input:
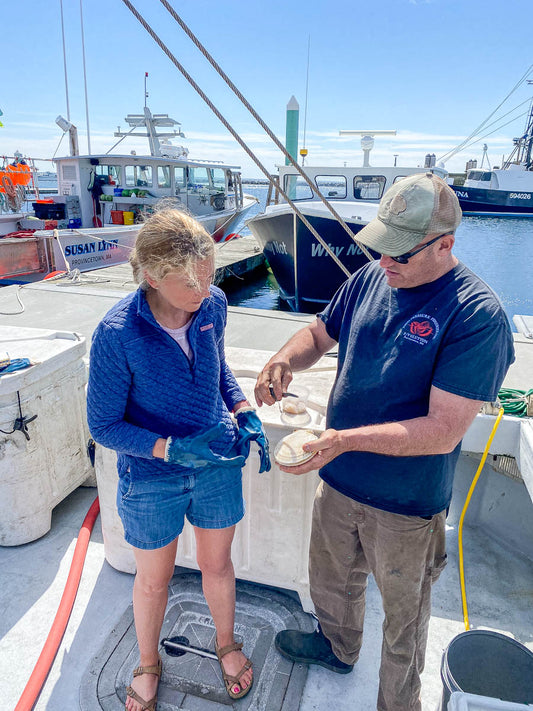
{"x":368,"y":187}
{"x":399,"y":177}
{"x":163,"y":176}
{"x":479,"y":175}
{"x":218,"y":178}
{"x":180,"y":180}
{"x":109,"y":173}
{"x":332,"y":186}
{"x":198,"y":178}
{"x":138,"y":176}
{"x":296,"y":187}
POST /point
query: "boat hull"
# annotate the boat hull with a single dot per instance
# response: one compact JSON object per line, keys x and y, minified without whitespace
{"x":32,"y":259}
{"x":495,"y":203}
{"x":306,"y":274}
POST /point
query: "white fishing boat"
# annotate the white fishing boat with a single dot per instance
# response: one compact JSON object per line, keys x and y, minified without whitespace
{"x":306,"y":273}
{"x":93,"y":219}
{"x":505,"y":191}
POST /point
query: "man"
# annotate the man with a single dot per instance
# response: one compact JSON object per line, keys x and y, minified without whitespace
{"x":422,"y":343}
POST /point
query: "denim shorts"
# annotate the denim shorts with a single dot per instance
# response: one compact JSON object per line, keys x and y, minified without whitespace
{"x":153,"y":511}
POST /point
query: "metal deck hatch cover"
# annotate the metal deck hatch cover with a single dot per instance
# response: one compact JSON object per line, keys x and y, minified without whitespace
{"x":194,"y":683}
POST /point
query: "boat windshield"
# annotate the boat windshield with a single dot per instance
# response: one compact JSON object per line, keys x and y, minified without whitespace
{"x":138,"y":176}
{"x":484,"y":175}
{"x":368,"y":187}
{"x":335,"y":187}
{"x":111,"y":173}
{"x":331,"y":186}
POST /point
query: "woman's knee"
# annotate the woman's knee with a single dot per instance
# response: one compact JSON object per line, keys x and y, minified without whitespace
{"x":218,"y":566}
{"x":154,"y":580}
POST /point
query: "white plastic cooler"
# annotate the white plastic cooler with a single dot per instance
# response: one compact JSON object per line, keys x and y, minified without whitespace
{"x":36,"y":474}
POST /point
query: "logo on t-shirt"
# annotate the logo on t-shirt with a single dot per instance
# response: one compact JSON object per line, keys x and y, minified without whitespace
{"x":421,"y":329}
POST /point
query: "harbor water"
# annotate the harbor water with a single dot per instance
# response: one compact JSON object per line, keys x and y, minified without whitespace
{"x":499,"y":250}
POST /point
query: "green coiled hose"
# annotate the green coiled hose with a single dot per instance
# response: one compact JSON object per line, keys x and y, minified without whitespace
{"x":514,"y":402}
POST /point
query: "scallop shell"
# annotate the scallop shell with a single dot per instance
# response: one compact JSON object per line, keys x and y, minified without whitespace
{"x":289,"y":451}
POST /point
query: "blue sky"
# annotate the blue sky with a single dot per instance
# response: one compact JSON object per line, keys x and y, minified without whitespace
{"x":433,"y":70}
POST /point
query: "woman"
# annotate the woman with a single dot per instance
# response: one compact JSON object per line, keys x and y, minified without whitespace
{"x":160,"y":394}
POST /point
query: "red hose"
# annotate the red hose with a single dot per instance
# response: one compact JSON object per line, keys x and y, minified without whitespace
{"x":48,"y":654}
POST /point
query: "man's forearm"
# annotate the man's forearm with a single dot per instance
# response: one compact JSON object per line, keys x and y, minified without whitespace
{"x":408,"y":438}
{"x":300,"y":352}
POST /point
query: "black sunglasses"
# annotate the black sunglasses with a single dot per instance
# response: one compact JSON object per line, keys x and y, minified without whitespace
{"x":404,"y":258}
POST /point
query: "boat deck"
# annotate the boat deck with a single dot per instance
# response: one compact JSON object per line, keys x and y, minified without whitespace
{"x":499,"y":589}
{"x":499,"y":577}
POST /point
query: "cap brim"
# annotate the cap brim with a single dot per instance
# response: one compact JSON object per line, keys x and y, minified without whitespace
{"x":388,"y":240}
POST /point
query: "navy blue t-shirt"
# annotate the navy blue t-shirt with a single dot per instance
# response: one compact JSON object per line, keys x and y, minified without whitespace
{"x":394,"y":344}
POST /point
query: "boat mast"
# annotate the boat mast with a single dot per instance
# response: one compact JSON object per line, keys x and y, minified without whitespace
{"x":85,"y":79}
{"x":150,"y":122}
{"x":523,"y":146}
{"x":64,"y":59}
{"x":528,"y":140}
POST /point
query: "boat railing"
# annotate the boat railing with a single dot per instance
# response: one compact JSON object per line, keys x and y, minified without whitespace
{"x":273,"y":187}
{"x":237,"y":184}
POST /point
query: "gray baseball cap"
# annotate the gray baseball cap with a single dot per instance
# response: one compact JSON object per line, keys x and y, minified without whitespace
{"x":416,"y":206}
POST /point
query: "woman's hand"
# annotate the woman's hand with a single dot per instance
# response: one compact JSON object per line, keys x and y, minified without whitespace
{"x":195,"y":452}
{"x":251,"y":430}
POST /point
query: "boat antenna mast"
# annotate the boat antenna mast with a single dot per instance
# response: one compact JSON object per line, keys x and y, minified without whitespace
{"x":150,"y":122}
{"x":303,"y":150}
{"x":367,"y":141}
{"x":485,"y":157}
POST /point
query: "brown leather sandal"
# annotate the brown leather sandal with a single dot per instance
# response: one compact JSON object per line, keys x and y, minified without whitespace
{"x":154,"y":669}
{"x":231,"y":681}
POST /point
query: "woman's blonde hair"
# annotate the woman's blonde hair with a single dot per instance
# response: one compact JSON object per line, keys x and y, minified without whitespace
{"x":169,"y":241}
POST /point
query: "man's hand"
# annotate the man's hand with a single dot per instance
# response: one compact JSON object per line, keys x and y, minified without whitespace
{"x":329,"y":445}
{"x":299,"y":353}
{"x":276,"y":375}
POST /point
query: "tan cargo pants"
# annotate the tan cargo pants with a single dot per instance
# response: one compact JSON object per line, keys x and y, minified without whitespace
{"x":405,"y":554}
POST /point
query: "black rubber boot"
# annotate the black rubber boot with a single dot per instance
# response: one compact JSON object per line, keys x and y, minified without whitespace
{"x":310,"y":648}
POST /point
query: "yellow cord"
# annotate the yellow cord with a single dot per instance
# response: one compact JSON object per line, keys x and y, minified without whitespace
{"x":460,"y":532}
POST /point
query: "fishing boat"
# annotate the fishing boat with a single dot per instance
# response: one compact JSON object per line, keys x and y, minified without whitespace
{"x":505,"y":191}
{"x":306,"y":273}
{"x":101,"y":199}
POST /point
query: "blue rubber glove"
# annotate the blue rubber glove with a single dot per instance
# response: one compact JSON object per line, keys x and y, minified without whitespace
{"x":251,"y":430}
{"x":195,"y":452}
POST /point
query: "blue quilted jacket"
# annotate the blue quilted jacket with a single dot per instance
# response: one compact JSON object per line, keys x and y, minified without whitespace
{"x":142,"y":386}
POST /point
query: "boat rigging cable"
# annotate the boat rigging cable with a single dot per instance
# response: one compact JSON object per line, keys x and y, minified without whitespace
{"x":486,"y":135}
{"x":263,"y":125}
{"x":475,"y":132}
{"x":243,"y":145}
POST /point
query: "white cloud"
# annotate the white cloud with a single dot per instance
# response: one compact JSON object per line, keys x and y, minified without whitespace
{"x":39,"y":139}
